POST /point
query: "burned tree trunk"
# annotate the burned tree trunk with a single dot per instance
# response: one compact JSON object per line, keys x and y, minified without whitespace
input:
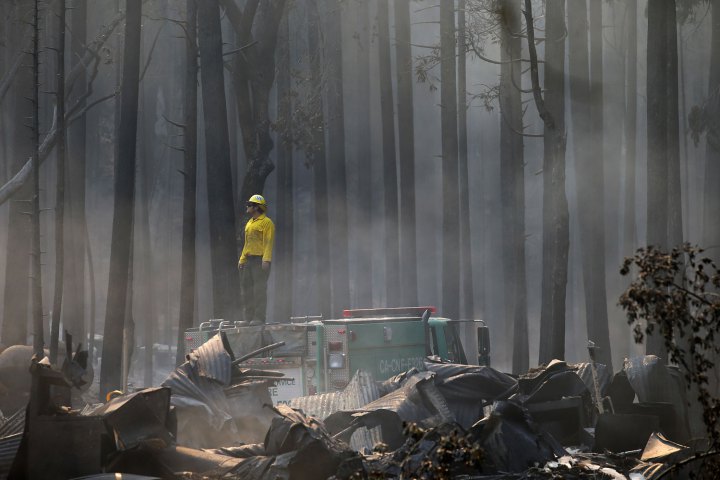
{"x":451,"y":227}
{"x":123,"y":206}
{"x":187,"y":274}
{"x":588,"y":179}
{"x":556,"y":236}
{"x":663,"y":208}
{"x":17,"y":256}
{"x":336,"y":167}
{"x":466,"y":274}
{"x":392,"y":232}
{"x":285,"y":216}
{"x":711,"y":225}
{"x":60,"y":192}
{"x":74,"y":272}
{"x":217,"y":153}
{"x":35,"y":268}
{"x":630,"y":227}
{"x":512,"y":172}
{"x":406,"y":149}
{"x":319,"y":164}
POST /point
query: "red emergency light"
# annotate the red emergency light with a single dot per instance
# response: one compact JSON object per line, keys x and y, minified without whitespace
{"x":388,"y":312}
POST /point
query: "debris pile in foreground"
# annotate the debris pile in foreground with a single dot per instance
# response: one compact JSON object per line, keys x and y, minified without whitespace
{"x":212,"y":419}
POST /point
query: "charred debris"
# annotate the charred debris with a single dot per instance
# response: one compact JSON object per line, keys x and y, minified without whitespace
{"x":211,"y":418}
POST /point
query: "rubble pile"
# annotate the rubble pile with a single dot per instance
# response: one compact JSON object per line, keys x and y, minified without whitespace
{"x":213,"y":419}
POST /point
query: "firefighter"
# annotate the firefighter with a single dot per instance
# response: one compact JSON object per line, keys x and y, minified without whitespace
{"x":255,"y":260}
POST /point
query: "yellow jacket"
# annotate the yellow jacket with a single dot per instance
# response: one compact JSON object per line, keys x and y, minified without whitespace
{"x":259,"y":239}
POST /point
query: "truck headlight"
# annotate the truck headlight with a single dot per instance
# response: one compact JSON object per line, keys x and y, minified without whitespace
{"x":336,"y":360}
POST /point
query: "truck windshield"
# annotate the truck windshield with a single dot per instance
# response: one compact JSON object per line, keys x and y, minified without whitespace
{"x":456,"y":353}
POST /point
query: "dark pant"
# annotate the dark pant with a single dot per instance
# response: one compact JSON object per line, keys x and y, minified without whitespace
{"x":254,"y":289}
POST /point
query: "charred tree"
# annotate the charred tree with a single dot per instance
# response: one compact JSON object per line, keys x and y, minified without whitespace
{"x":466,"y":274}
{"x":663,"y":204}
{"x":35,"y":268}
{"x":336,"y":167}
{"x":512,"y":173}
{"x":60,"y":187}
{"x":320,"y":184}
{"x":362,"y":278}
{"x":147,"y":282}
{"x":74,"y":272}
{"x":556,"y":235}
{"x":187,"y":273}
{"x":123,"y":205}
{"x":711,"y":225}
{"x":285,"y":215}
{"x":449,"y":127}
{"x":217,"y":152}
{"x":253,"y":74}
{"x":392,"y":232}
{"x":589,"y":184}
{"x":630,"y":227}
{"x":406,"y":149}
{"x":17,"y":259}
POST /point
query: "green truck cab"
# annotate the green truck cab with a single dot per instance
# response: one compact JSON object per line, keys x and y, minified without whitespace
{"x":385,"y":342}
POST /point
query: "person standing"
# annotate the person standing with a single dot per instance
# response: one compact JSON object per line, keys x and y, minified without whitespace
{"x":254,"y":263}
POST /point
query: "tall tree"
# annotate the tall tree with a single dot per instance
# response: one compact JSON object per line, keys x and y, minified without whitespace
{"x":711,"y":200}
{"x":17,"y":260}
{"x":74,"y":272}
{"x":253,"y":75}
{"x":630,"y":226}
{"x":217,"y":152}
{"x":123,"y":205}
{"x":320,"y":183}
{"x":336,"y":167}
{"x":449,"y":127}
{"x":512,"y":180}
{"x":35,"y":268}
{"x":390,"y":181}
{"x":60,"y":186}
{"x":556,"y":236}
{"x":662,"y":131}
{"x":285,"y":204}
{"x":362,"y":279}
{"x":468,"y":306}
{"x":589,"y":177}
{"x":406,"y":149}
{"x":187,"y":272}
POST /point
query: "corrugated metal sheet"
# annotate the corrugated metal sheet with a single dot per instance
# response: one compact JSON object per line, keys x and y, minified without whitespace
{"x":8,"y":449}
{"x":361,"y":390}
{"x":212,"y":360}
{"x":15,"y":423}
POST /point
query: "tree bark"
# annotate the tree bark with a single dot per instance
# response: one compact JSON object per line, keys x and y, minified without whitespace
{"x":217,"y":153}
{"x":74,"y":272}
{"x":555,"y":209}
{"x":285,"y":204}
{"x":512,"y":179}
{"x":451,"y":227}
{"x":631,"y":130}
{"x":589,"y":184}
{"x":35,"y":268}
{"x":390,"y":181}
{"x":187,"y":273}
{"x":711,"y":226}
{"x":17,"y":257}
{"x":320,"y":186}
{"x":362,"y":279}
{"x":337,"y":170}
{"x":406,"y":149}
{"x":123,"y":205}
{"x":60,"y":187}
{"x":466,"y":273}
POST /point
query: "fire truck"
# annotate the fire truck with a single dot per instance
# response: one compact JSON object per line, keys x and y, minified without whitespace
{"x":321,"y":355}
